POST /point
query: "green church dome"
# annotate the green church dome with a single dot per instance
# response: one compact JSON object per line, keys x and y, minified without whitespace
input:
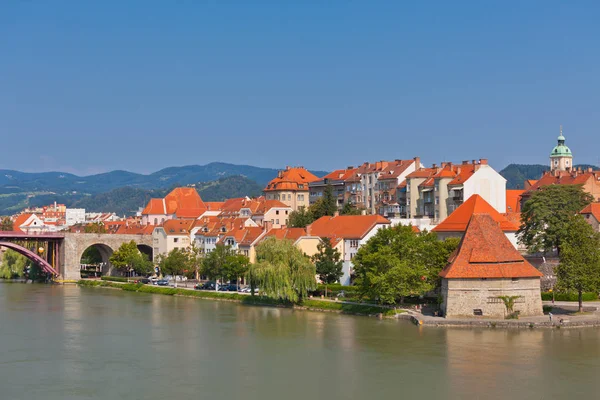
{"x":561,"y":151}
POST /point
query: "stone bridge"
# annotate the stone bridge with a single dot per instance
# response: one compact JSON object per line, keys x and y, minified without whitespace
{"x":74,"y":244}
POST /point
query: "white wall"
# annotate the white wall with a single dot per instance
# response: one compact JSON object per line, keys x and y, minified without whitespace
{"x":349,"y":252}
{"x":74,"y":216}
{"x":490,"y":185}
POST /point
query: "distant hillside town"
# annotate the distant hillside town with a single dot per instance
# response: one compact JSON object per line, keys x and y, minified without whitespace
{"x":348,"y":206}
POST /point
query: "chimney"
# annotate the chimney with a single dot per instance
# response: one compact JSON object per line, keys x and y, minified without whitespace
{"x":474,"y":162}
{"x":434,"y":166}
{"x":336,"y":214}
{"x":308,"y":229}
{"x":417,"y":162}
{"x":444,"y":163}
{"x":287,"y":167}
{"x":466,"y":162}
{"x":350,"y":167}
{"x":590,"y":169}
{"x":458,"y":170}
{"x":483,"y":161}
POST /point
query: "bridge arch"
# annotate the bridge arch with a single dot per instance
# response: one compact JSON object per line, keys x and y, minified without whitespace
{"x":46,"y":267}
{"x":105,"y":251}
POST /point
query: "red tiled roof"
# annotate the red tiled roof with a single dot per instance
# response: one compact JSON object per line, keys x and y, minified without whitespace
{"x":422,"y":173}
{"x":136,"y":229}
{"x":286,"y":233}
{"x":459,"y":219}
{"x":394,"y":169}
{"x":513,"y":200}
{"x":485,"y":252}
{"x":463,"y":173}
{"x":341,"y":174}
{"x":178,"y":226}
{"x":564,"y":178}
{"x":214,"y":205}
{"x":593,"y":209}
{"x":291,"y":179}
{"x":20,"y":220}
{"x":345,"y":226}
{"x":155,"y":207}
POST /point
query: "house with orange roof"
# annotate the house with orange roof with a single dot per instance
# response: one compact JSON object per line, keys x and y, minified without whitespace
{"x":456,"y":224}
{"x":513,"y":200}
{"x":591,"y":213}
{"x":437,"y":191}
{"x":174,"y":233}
{"x":484,"y":267}
{"x":291,"y":187}
{"x":271,"y":213}
{"x":307,"y":244}
{"x":181,"y":202}
{"x":32,"y":223}
{"x":243,"y":240}
{"x":208,"y":231}
{"x":347,"y":233}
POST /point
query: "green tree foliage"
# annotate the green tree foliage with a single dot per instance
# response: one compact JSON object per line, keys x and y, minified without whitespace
{"x":509,"y":303}
{"x":127,"y":258}
{"x":6,"y":224}
{"x":13,"y":265}
{"x":547,"y":214}
{"x":301,"y":218}
{"x":326,"y":205}
{"x":398,"y":262}
{"x":350,"y":209}
{"x":328,"y":262}
{"x":224,"y":263}
{"x":579,"y":268}
{"x":282,"y":271}
{"x":196,"y":258}
{"x":175,"y":263}
{"x":91,"y":255}
{"x":95,"y":227}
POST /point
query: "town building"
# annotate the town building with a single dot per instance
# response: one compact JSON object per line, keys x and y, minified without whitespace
{"x":174,"y":233}
{"x":347,"y":233}
{"x":339,"y":180}
{"x":562,"y":172}
{"x":291,"y":187}
{"x":437,"y":191}
{"x":180,"y":203}
{"x":591,"y":213}
{"x":456,"y":224}
{"x":74,"y":216}
{"x":484,"y":267}
{"x":305,"y":243}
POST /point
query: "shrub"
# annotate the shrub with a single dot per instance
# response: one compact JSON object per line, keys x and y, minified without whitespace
{"x":115,"y":278}
{"x":547,"y":309}
{"x":569,"y":296}
{"x":348,"y":308}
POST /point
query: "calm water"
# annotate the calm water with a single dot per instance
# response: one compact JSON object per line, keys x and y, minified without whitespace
{"x":84,"y":343}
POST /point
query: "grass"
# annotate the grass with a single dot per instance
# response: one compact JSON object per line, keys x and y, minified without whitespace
{"x":317,"y":305}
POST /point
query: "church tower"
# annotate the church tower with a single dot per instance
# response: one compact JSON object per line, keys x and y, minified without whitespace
{"x":561,"y":158}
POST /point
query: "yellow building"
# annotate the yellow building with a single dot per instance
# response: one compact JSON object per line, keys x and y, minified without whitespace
{"x":291,"y":187}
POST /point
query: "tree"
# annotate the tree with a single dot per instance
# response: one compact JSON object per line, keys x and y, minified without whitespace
{"x":509,"y":303}
{"x":546,"y":215}
{"x":301,"y":218}
{"x":96,"y":227}
{"x":328,"y":262}
{"x":282,"y":271}
{"x":350,"y":209}
{"x":196,"y":258}
{"x":175,"y":263}
{"x":128,"y":258}
{"x":326,"y":205}
{"x":13,"y":265}
{"x":6,"y":224}
{"x":236,"y":266}
{"x":399,"y":262}
{"x":91,"y":255}
{"x":579,"y":267}
{"x":225,"y":263}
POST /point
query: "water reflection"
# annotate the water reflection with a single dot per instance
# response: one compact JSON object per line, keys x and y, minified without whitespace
{"x":82,"y":343}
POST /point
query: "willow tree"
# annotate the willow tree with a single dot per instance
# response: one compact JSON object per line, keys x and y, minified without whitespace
{"x":282,"y":271}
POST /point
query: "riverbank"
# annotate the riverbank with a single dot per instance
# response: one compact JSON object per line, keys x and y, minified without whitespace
{"x":307,"y":305}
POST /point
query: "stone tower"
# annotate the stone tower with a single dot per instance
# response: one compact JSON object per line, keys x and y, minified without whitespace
{"x":561,"y":158}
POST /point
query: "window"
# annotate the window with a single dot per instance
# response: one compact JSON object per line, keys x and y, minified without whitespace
{"x":175,"y":240}
{"x":515,"y":280}
{"x":155,"y":221}
{"x":277,"y":221}
{"x":286,"y":212}
{"x":354,"y":243}
{"x":277,"y":212}
{"x":437,"y":200}
{"x":289,"y":197}
{"x":300,"y":197}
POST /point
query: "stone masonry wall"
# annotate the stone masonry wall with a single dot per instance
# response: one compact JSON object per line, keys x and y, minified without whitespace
{"x":462,"y":296}
{"x":75,"y":244}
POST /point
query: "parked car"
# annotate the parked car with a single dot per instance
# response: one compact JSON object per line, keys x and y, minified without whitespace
{"x":162,"y":282}
{"x":154,"y":280}
{"x":248,"y":289}
{"x":145,"y":281}
{"x":205,"y":286}
{"x":228,"y":287}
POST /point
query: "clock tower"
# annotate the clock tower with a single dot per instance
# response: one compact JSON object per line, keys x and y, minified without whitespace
{"x":561,"y":158}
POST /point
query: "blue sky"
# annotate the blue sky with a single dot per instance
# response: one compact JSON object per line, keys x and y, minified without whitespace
{"x":89,"y":86}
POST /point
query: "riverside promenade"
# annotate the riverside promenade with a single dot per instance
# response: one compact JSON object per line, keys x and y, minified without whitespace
{"x":564,"y":315}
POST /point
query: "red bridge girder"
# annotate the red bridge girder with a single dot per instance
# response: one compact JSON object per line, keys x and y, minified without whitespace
{"x":32,"y":256}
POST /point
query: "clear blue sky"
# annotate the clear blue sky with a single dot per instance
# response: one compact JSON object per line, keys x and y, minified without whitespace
{"x":88,"y":86}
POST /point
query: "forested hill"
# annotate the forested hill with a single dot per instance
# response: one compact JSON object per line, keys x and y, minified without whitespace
{"x":517,"y":174}
{"x":59,"y":182}
{"x":126,"y":200}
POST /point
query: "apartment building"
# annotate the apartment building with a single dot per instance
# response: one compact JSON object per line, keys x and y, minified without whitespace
{"x":291,"y":187}
{"x":437,"y":191}
{"x":339,"y":180}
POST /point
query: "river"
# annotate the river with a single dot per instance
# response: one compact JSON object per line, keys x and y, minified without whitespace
{"x":67,"y":342}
